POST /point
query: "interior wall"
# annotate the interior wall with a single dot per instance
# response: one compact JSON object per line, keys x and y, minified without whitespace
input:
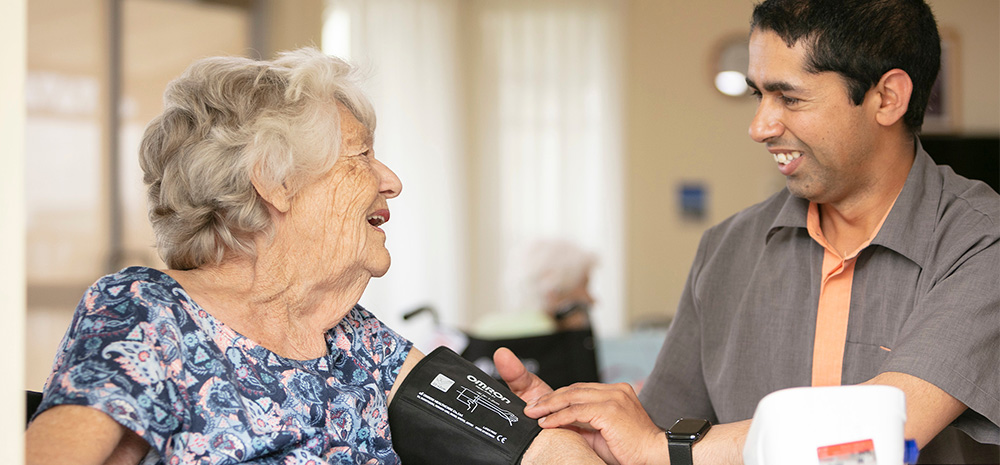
{"x":678,"y":128}
{"x":12,"y":296}
{"x":976,"y":26}
{"x":282,"y":25}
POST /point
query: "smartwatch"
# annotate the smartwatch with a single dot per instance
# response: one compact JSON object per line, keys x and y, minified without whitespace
{"x":682,"y":435}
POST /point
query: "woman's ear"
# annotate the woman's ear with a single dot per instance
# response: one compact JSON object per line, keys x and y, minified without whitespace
{"x":894,"y":90}
{"x":275,"y":194}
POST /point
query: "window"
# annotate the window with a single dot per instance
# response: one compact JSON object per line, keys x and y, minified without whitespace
{"x":502,"y":120}
{"x":78,"y":228}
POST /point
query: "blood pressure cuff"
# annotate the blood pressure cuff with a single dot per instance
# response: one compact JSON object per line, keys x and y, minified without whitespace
{"x":449,"y":411}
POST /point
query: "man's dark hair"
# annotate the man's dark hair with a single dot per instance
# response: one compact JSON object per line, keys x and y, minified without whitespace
{"x":861,"y":40}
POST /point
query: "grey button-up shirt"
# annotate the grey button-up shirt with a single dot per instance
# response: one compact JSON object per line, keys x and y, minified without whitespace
{"x":927,"y":289}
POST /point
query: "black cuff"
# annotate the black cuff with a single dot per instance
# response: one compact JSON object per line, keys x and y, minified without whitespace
{"x":449,"y":411}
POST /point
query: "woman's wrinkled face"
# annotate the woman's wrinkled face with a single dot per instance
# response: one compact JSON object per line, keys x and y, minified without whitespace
{"x":341,"y":211}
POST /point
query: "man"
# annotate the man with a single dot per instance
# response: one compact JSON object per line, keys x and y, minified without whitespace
{"x":872,"y":266}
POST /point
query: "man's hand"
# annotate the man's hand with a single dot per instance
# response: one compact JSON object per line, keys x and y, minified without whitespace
{"x":525,"y":384}
{"x":610,"y":418}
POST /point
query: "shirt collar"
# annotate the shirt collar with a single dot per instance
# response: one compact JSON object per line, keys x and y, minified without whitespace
{"x":793,"y":214}
{"x":913,"y":210}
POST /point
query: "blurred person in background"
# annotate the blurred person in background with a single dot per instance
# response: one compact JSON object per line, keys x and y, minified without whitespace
{"x":551,"y":278}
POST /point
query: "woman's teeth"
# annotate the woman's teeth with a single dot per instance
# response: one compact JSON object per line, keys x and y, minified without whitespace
{"x":785,"y":158}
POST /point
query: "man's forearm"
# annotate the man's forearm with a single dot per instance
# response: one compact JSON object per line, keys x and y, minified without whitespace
{"x":928,"y":408}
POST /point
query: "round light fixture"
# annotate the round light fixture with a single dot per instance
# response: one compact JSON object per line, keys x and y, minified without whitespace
{"x":732,"y":60}
{"x":732,"y":83}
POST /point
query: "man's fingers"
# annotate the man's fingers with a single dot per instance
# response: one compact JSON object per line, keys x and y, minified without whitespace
{"x":512,"y":371}
{"x":510,"y":367}
{"x":525,"y":384}
{"x":620,"y":395}
{"x":610,"y":417}
{"x":582,"y":417}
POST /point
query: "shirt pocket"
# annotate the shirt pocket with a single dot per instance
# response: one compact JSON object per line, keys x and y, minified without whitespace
{"x":862,"y":361}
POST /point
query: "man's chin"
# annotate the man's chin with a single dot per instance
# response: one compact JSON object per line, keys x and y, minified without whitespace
{"x":798,"y":188}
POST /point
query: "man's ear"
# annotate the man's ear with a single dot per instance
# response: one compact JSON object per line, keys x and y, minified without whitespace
{"x":275,"y":194}
{"x":894,"y":90}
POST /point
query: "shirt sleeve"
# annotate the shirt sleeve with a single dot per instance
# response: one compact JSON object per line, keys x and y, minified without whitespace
{"x":112,"y":358}
{"x":952,"y":338}
{"x":676,"y":388}
{"x":376,"y":346}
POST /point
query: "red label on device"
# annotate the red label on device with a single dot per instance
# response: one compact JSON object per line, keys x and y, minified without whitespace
{"x":855,"y":453}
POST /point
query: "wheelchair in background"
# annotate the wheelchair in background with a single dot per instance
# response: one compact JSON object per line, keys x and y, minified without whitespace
{"x":560,"y":358}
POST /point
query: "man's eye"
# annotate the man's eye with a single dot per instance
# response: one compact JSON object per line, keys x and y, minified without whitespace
{"x":756,"y":94}
{"x":789,"y":100}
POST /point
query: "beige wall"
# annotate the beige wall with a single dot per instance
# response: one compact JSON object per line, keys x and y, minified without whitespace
{"x":976,"y":25}
{"x":286,"y":25}
{"x":677,"y":127}
{"x":12,"y":54}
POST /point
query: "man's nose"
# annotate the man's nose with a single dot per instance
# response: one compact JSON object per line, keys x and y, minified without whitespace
{"x":765,"y":124}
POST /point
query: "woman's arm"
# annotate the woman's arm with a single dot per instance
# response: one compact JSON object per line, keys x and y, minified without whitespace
{"x":560,"y":446}
{"x":412,"y":358}
{"x":75,"y":434}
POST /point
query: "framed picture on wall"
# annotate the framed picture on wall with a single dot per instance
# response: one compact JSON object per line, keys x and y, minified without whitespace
{"x":942,"y":115}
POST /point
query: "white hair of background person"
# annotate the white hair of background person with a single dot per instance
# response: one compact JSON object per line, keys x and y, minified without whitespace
{"x":275,"y":118}
{"x":548,"y":267}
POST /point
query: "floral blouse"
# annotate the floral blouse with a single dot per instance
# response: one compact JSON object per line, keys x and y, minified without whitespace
{"x":140,"y":350}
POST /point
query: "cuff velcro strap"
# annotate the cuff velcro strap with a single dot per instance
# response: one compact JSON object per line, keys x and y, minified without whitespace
{"x":449,"y":411}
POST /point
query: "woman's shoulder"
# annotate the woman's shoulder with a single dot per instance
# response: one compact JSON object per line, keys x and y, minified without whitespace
{"x":362,"y":335}
{"x":131,"y":292}
{"x":127,"y":278}
{"x":141,"y":273}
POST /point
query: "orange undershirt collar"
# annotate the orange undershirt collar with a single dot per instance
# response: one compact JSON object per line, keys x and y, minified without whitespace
{"x":834,"y":307}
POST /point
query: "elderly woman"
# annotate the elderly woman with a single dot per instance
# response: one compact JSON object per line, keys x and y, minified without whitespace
{"x":266,"y":201}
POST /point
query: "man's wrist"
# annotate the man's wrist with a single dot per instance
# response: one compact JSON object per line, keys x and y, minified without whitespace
{"x":681,"y":438}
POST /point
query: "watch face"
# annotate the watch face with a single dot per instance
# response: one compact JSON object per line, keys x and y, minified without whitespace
{"x":688,"y":428}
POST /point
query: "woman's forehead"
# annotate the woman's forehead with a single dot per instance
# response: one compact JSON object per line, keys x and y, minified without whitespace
{"x":353,"y":132}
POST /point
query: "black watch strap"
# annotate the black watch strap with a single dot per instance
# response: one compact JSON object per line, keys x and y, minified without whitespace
{"x":682,"y":436}
{"x":680,"y":452}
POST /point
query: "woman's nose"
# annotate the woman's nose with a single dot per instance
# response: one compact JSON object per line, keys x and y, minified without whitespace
{"x":389,"y":183}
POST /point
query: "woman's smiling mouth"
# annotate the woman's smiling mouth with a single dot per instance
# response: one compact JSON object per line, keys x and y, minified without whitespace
{"x":378,"y":218}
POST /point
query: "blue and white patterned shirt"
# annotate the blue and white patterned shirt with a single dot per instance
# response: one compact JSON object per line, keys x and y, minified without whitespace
{"x":140,"y":350}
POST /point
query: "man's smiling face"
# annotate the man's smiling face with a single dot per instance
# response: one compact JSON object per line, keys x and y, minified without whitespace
{"x":820,"y":140}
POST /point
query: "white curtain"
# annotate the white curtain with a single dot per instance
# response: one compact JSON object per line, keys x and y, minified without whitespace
{"x":502,"y":119}
{"x":548,"y":109}
{"x":408,"y":48}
